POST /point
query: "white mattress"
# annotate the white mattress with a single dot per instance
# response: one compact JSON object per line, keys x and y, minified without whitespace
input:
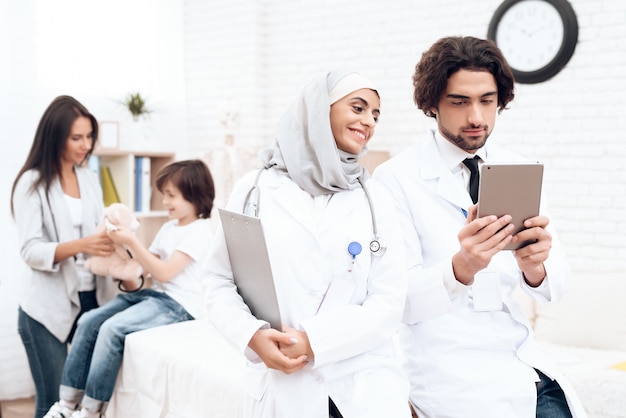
{"x":188,"y":370}
{"x":181,"y":370}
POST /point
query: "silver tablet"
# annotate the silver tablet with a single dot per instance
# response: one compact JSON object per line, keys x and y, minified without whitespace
{"x":250,"y":263}
{"x":513,"y":188}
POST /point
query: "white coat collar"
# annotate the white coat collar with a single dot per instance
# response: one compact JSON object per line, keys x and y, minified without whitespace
{"x":433,"y":169}
{"x":452,"y":155}
{"x":434,"y":172}
{"x":292,"y":199}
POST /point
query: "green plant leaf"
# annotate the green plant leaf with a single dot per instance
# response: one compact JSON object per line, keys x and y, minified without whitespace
{"x":136,"y":105}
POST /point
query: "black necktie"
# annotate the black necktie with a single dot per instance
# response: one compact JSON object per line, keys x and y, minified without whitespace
{"x":472,"y":164}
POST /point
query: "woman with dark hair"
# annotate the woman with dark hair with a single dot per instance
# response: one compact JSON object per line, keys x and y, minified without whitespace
{"x":56,"y":203}
{"x":174,"y":260}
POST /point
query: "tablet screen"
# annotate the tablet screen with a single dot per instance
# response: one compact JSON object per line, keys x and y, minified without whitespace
{"x":513,"y":188}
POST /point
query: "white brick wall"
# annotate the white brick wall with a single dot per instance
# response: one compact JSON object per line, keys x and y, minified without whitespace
{"x":223,"y":61}
{"x":260,"y":53}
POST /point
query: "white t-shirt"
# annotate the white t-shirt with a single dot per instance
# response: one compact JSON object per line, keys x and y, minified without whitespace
{"x":193,"y":239}
{"x":86,"y":280}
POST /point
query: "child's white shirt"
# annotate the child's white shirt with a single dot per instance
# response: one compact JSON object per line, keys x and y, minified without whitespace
{"x":193,"y":239}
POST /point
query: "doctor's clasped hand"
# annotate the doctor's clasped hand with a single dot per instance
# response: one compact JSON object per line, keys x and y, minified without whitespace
{"x":276,"y":349}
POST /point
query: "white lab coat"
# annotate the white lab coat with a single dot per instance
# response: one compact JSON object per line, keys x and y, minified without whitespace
{"x":43,"y":221}
{"x":355,"y":361}
{"x":463,"y":363}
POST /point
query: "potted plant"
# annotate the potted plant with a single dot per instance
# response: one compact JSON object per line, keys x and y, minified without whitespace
{"x":136,"y":105}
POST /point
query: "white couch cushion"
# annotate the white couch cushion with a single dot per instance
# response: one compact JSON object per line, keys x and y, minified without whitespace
{"x":590,"y":315}
{"x":600,"y":387}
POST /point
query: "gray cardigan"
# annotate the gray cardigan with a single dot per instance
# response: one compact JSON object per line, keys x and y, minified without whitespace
{"x":51,"y":296}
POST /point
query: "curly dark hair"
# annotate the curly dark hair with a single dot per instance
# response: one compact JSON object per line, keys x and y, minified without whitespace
{"x":450,"y":54}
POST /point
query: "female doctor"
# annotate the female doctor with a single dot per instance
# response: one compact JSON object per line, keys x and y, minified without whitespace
{"x":56,"y":202}
{"x":340,"y":301}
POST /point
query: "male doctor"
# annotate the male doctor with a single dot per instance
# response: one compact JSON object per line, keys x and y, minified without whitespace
{"x":469,"y":348}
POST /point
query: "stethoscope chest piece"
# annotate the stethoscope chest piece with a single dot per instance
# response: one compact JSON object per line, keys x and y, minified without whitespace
{"x":377,"y":246}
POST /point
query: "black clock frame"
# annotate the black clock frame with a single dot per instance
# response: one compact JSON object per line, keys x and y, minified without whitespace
{"x":565,"y":52}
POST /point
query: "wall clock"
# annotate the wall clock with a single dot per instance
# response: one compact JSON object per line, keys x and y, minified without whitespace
{"x":537,"y":37}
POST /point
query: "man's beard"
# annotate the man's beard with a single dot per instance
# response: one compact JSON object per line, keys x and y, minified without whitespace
{"x":460,"y":142}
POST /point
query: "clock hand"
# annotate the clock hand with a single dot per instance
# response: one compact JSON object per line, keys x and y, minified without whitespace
{"x":539,"y":29}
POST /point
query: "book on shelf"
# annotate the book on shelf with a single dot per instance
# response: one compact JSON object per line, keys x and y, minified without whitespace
{"x":94,"y":165}
{"x":109,"y":192}
{"x":143,"y":186}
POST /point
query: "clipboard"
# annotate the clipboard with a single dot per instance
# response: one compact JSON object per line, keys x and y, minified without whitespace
{"x":513,"y":188}
{"x":250,"y":264}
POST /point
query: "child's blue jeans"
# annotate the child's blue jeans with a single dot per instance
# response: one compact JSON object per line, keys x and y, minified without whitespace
{"x":96,"y":353}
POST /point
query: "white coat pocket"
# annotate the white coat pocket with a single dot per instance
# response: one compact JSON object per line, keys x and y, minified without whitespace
{"x":339,"y":293}
{"x":486,"y":291}
{"x":257,"y":379}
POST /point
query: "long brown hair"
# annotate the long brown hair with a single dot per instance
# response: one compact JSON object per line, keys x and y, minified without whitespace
{"x":49,"y":142}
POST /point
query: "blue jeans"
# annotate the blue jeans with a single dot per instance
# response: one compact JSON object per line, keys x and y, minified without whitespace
{"x":96,"y":354}
{"x":551,"y":402}
{"x":46,"y":354}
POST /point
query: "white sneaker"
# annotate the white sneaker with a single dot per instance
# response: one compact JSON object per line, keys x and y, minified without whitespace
{"x":78,"y":414}
{"x":59,"y":411}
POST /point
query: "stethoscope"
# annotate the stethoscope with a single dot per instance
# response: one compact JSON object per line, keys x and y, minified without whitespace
{"x":377,"y":245}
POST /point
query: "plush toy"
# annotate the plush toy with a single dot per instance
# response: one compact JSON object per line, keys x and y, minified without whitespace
{"x":120,"y":264}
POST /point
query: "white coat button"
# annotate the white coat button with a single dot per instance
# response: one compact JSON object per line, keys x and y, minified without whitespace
{"x":319,"y":380}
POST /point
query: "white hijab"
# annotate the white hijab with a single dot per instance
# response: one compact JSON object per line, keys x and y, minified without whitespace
{"x":305,"y":147}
